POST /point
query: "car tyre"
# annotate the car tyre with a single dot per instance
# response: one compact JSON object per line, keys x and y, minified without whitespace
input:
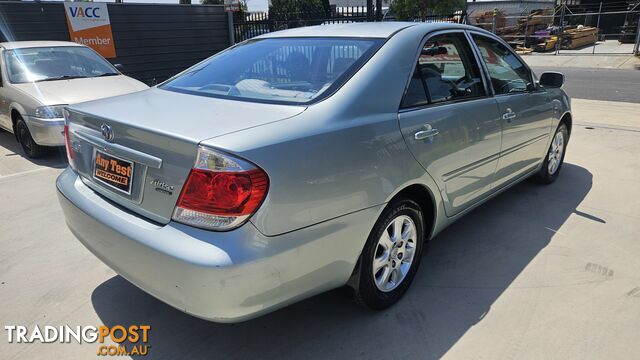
{"x":25,"y":139}
{"x":554,"y":157}
{"x":391,"y":254}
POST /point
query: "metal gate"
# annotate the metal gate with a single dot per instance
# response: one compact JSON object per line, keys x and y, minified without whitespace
{"x":597,"y":28}
{"x":617,"y":24}
{"x":248,"y":25}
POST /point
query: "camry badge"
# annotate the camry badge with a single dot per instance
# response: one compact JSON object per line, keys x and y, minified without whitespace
{"x":162,"y":187}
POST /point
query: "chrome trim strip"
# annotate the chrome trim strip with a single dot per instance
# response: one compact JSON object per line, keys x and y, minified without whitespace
{"x":465,"y":169}
{"x":520,"y":146}
{"x":120,"y":151}
{"x":461,"y":171}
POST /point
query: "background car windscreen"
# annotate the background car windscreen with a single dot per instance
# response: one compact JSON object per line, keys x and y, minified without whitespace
{"x":55,"y":63}
{"x":283,"y":70}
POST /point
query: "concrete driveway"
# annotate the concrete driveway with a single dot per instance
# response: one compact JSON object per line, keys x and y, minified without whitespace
{"x":538,"y":272}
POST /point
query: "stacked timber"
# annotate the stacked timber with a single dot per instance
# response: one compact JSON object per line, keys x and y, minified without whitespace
{"x":521,"y":35}
{"x":485,"y":19}
{"x":579,"y":37}
{"x":521,"y":50}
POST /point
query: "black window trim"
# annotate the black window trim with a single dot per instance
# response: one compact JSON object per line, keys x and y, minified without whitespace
{"x":488,"y":90}
{"x":476,"y":49}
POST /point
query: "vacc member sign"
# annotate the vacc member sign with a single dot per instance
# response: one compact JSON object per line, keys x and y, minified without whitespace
{"x":89,"y":25}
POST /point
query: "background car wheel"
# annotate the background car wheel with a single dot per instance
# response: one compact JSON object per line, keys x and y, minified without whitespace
{"x":555,"y":156}
{"x":29,"y":146}
{"x":391,"y":255}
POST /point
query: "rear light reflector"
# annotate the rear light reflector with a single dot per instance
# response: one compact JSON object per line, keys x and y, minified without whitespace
{"x":221,"y":192}
{"x":68,"y":146}
{"x":66,"y":137}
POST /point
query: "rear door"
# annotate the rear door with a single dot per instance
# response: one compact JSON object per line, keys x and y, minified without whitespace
{"x":450,"y":121}
{"x":526,"y":112}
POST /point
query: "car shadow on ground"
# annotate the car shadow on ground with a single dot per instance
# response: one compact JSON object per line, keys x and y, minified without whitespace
{"x":465,"y":271}
{"x":55,"y":157}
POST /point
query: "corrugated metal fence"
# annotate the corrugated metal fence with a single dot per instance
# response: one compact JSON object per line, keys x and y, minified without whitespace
{"x":153,"y":41}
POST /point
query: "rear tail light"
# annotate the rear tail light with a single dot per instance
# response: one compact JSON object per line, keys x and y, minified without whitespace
{"x":68,"y":146}
{"x":221,"y":192}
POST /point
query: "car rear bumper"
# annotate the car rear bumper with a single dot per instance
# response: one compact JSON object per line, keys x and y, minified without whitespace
{"x":46,"y":132}
{"x":219,"y":276}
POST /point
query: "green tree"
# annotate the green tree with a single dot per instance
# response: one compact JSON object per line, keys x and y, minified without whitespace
{"x":411,"y":9}
{"x":293,"y":8}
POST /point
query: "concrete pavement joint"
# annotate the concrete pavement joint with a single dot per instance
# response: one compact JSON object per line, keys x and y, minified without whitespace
{"x":9,"y":176}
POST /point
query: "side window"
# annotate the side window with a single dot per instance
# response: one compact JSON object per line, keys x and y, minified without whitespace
{"x":416,"y":93}
{"x":508,"y":74}
{"x":446,"y":70}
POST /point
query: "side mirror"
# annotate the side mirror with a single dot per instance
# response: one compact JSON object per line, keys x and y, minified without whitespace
{"x":120,"y":67}
{"x":552,"y":79}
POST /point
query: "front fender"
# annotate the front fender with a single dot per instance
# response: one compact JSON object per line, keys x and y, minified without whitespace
{"x":14,"y":106}
{"x":561,"y":103}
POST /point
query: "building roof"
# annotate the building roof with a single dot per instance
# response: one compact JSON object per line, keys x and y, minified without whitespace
{"x":31,"y":44}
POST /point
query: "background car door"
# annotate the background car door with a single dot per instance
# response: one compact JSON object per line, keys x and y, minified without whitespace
{"x":450,"y":122}
{"x":525,"y":107}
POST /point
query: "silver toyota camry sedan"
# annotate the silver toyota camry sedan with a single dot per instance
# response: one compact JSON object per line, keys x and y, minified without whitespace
{"x":305,"y":160}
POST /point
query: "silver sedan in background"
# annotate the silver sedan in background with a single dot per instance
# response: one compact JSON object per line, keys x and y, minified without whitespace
{"x":304,"y":160}
{"x":39,"y":78}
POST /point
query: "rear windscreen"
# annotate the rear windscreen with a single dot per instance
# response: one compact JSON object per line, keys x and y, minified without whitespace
{"x":278,"y":70}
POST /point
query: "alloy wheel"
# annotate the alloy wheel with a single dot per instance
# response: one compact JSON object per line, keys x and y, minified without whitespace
{"x":394,"y":253}
{"x":555,"y":153}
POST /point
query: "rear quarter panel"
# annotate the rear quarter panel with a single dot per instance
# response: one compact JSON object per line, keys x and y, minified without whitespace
{"x":343,"y":154}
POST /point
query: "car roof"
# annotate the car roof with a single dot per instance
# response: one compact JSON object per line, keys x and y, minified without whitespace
{"x":363,"y":29}
{"x":31,"y":44}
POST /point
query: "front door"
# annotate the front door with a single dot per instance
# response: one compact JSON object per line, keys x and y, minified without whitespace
{"x":450,"y":122}
{"x":526,"y":112}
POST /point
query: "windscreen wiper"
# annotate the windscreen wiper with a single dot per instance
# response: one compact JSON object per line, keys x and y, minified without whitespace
{"x":107,"y":74}
{"x":63,"y":77}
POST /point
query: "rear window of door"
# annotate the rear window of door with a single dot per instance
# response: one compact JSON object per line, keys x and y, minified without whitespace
{"x":508,"y":74}
{"x":445,"y":71}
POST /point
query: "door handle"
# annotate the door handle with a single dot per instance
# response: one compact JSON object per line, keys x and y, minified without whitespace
{"x":425,"y":134}
{"x":508,"y":115}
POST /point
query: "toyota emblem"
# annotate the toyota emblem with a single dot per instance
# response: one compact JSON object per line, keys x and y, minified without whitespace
{"x":107,"y":133}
